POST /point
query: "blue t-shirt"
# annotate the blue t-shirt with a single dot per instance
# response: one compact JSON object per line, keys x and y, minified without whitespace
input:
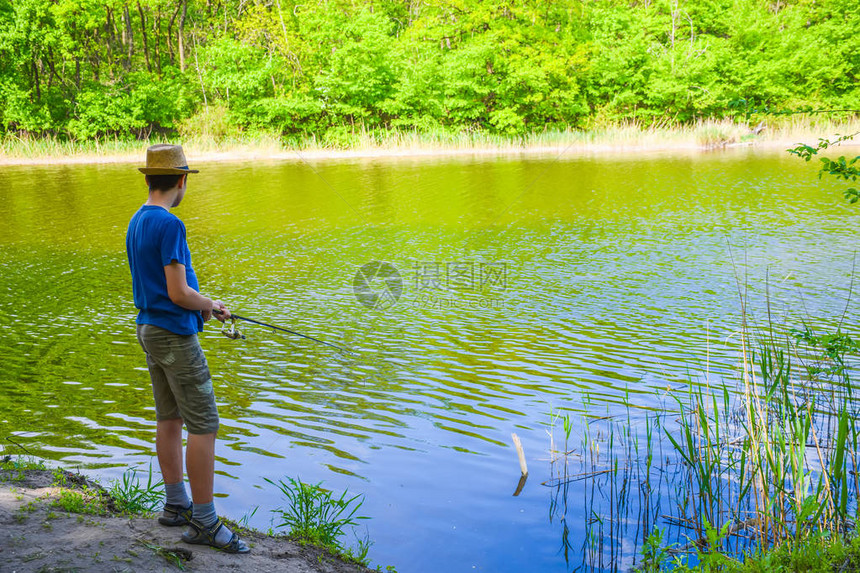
{"x":156,"y":238}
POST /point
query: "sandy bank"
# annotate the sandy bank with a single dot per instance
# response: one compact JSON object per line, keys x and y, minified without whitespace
{"x":36,"y":534}
{"x":197,"y":154}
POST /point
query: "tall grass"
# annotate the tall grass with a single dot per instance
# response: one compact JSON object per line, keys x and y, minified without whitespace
{"x":208,"y":136}
{"x":730,"y":471}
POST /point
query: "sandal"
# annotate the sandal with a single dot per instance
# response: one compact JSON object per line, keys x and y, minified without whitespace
{"x":198,"y":534}
{"x":174,"y":515}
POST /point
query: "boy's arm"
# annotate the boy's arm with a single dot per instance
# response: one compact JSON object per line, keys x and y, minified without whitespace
{"x":183,"y":295}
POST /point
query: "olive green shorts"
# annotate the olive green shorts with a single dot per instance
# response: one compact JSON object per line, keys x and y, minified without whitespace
{"x":181,"y":384}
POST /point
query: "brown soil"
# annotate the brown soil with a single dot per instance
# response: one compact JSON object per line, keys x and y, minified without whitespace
{"x":37,"y":535}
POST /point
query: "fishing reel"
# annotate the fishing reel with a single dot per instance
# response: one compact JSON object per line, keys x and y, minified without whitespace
{"x":232,"y":332}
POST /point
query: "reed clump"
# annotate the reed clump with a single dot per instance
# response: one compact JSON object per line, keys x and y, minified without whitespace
{"x":211,"y":135}
{"x":731,"y":476}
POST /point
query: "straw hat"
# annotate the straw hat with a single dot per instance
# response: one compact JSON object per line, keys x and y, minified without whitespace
{"x":166,"y":159}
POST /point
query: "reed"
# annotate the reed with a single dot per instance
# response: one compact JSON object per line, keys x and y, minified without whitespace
{"x":208,"y":137}
{"x":727,"y":472}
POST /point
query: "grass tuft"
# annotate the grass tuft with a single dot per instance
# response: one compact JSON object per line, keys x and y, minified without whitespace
{"x":84,"y":501}
{"x":316,"y":516}
{"x":134,"y":497}
{"x":20,"y":465}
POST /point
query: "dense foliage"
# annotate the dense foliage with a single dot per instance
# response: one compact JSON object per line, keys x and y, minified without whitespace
{"x":91,"y":68}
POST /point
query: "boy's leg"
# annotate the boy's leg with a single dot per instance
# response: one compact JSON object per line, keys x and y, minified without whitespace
{"x":200,"y":462}
{"x":191,"y":384}
{"x":168,"y":446}
{"x":168,"y":434}
{"x":205,"y":526}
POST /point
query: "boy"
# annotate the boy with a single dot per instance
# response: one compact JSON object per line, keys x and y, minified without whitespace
{"x":172,"y":312}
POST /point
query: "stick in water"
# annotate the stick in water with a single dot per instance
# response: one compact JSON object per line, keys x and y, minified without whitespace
{"x":524,"y":471}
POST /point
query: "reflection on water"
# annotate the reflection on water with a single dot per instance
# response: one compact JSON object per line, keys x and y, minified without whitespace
{"x":529,"y":284}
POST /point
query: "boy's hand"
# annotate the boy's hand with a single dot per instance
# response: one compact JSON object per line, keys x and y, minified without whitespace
{"x":207,"y":314}
{"x":223,"y":313}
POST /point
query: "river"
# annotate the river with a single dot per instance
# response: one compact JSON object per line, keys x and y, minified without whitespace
{"x":523,"y":286}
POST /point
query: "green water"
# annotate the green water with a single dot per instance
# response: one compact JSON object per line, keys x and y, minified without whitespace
{"x":605,"y":279}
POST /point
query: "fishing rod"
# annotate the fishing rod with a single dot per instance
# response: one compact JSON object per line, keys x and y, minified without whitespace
{"x":234,"y":333}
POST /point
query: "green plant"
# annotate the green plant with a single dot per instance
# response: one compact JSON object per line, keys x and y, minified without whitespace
{"x":710,"y":555}
{"x":654,"y":555}
{"x":834,"y":347}
{"x":359,"y":554}
{"x":60,"y":478}
{"x":32,"y":556}
{"x":243,"y":521}
{"x":21,"y":465}
{"x":80,"y":501}
{"x":133,"y":497}
{"x":314,"y":514}
{"x":175,"y":556}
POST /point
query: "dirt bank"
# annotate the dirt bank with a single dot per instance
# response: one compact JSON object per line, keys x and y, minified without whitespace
{"x":39,"y":533}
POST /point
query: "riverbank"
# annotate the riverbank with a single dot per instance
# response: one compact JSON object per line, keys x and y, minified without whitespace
{"x":624,"y":138}
{"x":47,"y":527}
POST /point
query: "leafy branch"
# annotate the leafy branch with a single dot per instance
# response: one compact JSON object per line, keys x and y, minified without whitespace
{"x":840,"y":168}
